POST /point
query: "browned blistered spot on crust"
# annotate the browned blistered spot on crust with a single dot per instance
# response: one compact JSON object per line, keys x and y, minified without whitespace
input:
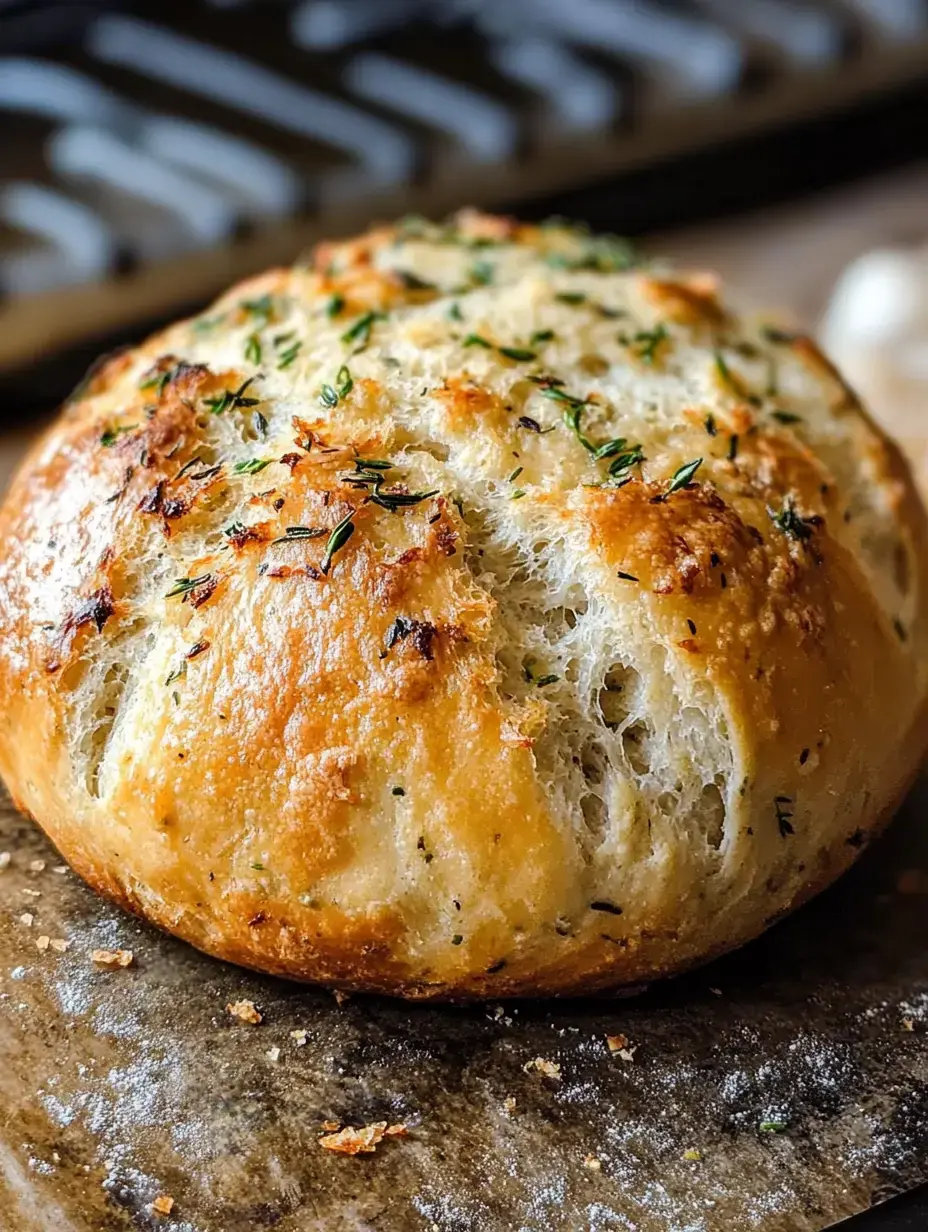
{"x":468,"y":404}
{"x":238,"y":536}
{"x":690,"y":301}
{"x":95,"y":610}
{"x":669,"y":545}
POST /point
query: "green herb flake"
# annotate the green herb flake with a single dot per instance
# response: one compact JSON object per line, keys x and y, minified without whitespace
{"x":344,"y":382}
{"x":295,"y":533}
{"x":328,"y":397}
{"x":541,"y":335}
{"x":786,"y":417}
{"x":682,"y":476}
{"x":110,"y":436}
{"x":337,"y":540}
{"x":287,"y":356}
{"x":477,"y":340}
{"x":252,"y":466}
{"x":783,"y":806}
{"x":626,"y":577}
{"x":773,"y":1127}
{"x":647,"y":342}
{"x":231,"y":400}
{"x":400,"y":500}
{"x":261,"y":309}
{"x":570,"y":297}
{"x":515,"y":474}
{"x":543,"y":681}
{"x":334,"y":305}
{"x":482,"y":273}
{"x":360,"y":331}
{"x":177,"y":674}
{"x":520,"y":354}
{"x":253,"y":351}
{"x":790,"y":522}
{"x":710,"y":425}
{"x":455,"y":313}
{"x":184,"y":585}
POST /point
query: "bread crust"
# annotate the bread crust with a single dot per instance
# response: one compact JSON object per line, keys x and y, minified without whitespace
{"x":463,"y":615}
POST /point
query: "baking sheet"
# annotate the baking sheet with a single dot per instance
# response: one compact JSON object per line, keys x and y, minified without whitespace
{"x":780,"y":1088}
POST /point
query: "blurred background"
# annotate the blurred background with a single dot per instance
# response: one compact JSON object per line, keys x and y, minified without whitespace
{"x":151,"y":152}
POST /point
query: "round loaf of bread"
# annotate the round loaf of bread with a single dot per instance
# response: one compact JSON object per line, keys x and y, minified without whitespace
{"x":468,"y":612}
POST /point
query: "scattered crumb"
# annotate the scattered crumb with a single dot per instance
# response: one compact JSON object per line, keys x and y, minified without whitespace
{"x":341,"y":997}
{"x":299,"y":1036}
{"x":42,"y":943}
{"x":550,"y":1069}
{"x":692,"y":1154}
{"x":112,"y":958}
{"x":36,"y":866}
{"x":60,"y":869}
{"x":591,"y":1162}
{"x":908,"y":1024}
{"x":59,"y":944}
{"x":273,"y":1054}
{"x":163,"y":1204}
{"x":330,"y":1126}
{"x":32,"y":893}
{"x":620,"y":1044}
{"x":716,"y":992}
{"x":5,"y":859}
{"x":26,"y":918}
{"x":247,"y":1011}
{"x":509,"y":1104}
{"x":351,"y":1141}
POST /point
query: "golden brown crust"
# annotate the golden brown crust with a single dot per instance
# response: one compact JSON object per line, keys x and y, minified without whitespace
{"x":463,"y":616}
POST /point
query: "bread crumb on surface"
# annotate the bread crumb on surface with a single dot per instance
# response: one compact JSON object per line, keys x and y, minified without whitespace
{"x":42,"y":943}
{"x":112,"y":958}
{"x":509,"y":1104}
{"x":246,"y":1011}
{"x":550,"y":1069}
{"x":26,"y":918}
{"x":59,"y":944}
{"x":273,"y":1054}
{"x":330,"y":1126}
{"x":299,"y":1036}
{"x":692,"y":1154}
{"x":36,"y":866}
{"x":908,"y":1024}
{"x":616,"y":1043}
{"x":591,"y":1162}
{"x":163,"y":1204}
{"x":341,"y":997}
{"x":5,"y":859}
{"x":351,"y":1141}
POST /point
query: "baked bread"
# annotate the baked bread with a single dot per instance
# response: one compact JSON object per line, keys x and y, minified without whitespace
{"x":467,"y":613}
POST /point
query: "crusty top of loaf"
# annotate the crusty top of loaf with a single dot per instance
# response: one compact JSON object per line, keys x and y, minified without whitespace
{"x":467,"y":609}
